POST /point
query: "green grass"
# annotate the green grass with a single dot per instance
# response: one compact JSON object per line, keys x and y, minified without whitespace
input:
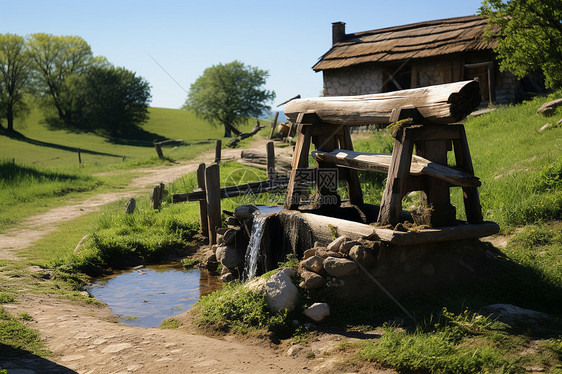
{"x":18,"y":336}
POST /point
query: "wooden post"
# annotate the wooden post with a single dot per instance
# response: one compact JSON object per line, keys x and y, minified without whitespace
{"x":391,"y":204}
{"x":212,"y":189}
{"x":158,"y":149}
{"x":470,"y":194}
{"x":218,"y":146}
{"x":352,"y":180}
{"x":157,"y":195}
{"x":79,"y":157}
{"x":300,"y":161}
{"x":274,"y":125}
{"x":203,"y":203}
{"x":270,"y":151}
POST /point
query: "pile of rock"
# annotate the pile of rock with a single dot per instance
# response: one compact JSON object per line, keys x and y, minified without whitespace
{"x":338,"y":265}
{"x":232,"y":242}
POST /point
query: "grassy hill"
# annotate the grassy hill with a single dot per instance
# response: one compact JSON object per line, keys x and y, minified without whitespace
{"x":43,"y":147}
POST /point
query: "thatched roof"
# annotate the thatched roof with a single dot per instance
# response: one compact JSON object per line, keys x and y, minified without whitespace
{"x":417,"y":40}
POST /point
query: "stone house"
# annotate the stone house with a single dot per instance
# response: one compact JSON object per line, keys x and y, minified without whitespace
{"x":417,"y":55}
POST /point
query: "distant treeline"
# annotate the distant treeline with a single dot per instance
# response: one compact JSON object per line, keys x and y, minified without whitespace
{"x":76,"y":89}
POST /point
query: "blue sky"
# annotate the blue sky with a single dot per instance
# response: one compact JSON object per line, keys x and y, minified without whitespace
{"x":185,"y":37}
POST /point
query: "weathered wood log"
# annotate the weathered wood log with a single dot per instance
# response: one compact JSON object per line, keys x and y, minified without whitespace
{"x":549,"y":108}
{"x":443,"y":103}
{"x":320,"y":227}
{"x":381,"y":162}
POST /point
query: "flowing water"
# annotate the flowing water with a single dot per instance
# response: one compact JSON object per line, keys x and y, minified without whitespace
{"x":253,"y":251}
{"x":145,"y":297}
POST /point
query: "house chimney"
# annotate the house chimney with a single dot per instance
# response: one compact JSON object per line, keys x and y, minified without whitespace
{"x":338,"y":32}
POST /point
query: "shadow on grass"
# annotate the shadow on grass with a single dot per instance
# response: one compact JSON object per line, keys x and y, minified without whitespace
{"x":20,"y":137}
{"x":18,"y":360}
{"x":12,"y":172}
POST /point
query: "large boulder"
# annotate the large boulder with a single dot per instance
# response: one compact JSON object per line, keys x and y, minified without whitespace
{"x":334,"y":246}
{"x":362,"y":255}
{"x":339,"y":267}
{"x":513,"y":315}
{"x":229,"y":256}
{"x":280,"y":291}
{"x":256,"y":285}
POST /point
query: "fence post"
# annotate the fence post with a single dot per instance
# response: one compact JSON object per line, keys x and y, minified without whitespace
{"x":157,"y":194}
{"x":203,"y":203}
{"x":270,"y":151}
{"x":218,"y":146}
{"x":273,"y":125}
{"x":158,"y":149}
{"x":79,"y":157}
{"x":212,"y":191}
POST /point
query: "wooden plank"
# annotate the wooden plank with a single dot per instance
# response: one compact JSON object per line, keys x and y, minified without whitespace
{"x":212,"y":189}
{"x":352,"y":180}
{"x":462,"y":231}
{"x":391,"y":203}
{"x":444,"y":103}
{"x":270,"y":151}
{"x":204,"y":222}
{"x":300,"y":161}
{"x":273,"y":125}
{"x":380,"y":162}
{"x":471,"y":196}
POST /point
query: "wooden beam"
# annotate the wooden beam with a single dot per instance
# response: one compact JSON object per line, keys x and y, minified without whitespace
{"x":444,"y":103}
{"x":218,"y":147}
{"x":300,"y":162}
{"x":380,"y":162}
{"x":273,"y":125}
{"x":270,"y":152}
{"x":212,"y":188}
{"x":158,"y":149}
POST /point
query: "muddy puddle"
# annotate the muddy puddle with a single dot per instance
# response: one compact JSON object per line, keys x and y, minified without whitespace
{"x":146,"y":296}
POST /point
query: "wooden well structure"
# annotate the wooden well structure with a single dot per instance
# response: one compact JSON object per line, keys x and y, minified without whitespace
{"x":425,"y":120}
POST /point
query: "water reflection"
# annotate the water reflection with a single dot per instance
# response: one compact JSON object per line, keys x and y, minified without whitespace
{"x":146,"y":296}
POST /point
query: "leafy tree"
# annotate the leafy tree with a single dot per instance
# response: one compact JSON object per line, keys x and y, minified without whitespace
{"x":529,"y":36}
{"x":227,"y":94}
{"x":58,"y":62}
{"x":113,"y":100}
{"x":14,"y":77}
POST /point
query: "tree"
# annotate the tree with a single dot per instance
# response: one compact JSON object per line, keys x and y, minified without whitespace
{"x":113,"y":100}
{"x":227,"y":94}
{"x":529,"y":34}
{"x":58,"y":62}
{"x":14,"y":77}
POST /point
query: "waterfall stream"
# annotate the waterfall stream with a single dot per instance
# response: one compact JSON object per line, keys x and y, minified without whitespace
{"x":253,"y":250}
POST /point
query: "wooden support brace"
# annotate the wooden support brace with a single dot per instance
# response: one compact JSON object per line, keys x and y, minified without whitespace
{"x":471,"y":196}
{"x":158,"y":149}
{"x":270,"y":159}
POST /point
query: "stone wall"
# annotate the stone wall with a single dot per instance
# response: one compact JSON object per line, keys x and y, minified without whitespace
{"x":366,"y":79}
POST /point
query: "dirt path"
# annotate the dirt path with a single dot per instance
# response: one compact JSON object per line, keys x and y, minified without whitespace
{"x":87,"y":338}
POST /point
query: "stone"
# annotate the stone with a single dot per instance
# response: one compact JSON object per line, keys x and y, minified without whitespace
{"x":230,"y":235}
{"x":116,"y":348}
{"x":229,"y":256}
{"x":362,"y":255}
{"x":512,"y":314}
{"x":256,"y":285}
{"x":227,"y":277}
{"x":245,"y":211}
{"x":324,"y":253}
{"x":131,"y":204}
{"x":334,"y":246}
{"x":280,"y":291}
{"x":294,"y":350}
{"x":212,"y":258}
{"x":339,"y":267}
{"x":308,"y":253}
{"x":311,"y":280}
{"x":317,"y":312}
{"x":313,"y":263}
{"x":347,"y":245}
